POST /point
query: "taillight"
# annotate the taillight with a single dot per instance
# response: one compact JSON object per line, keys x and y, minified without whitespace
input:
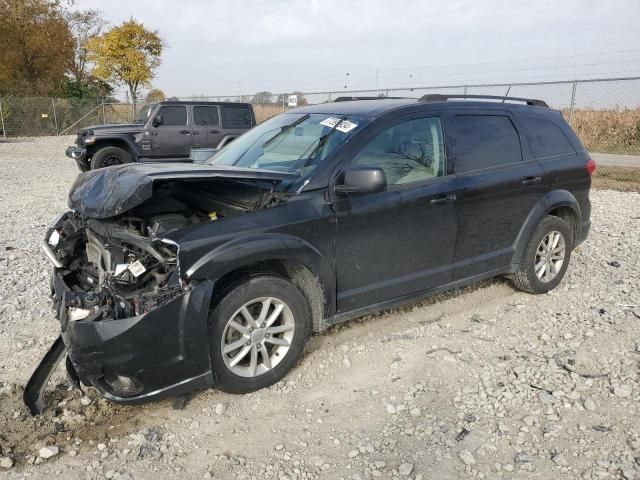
{"x":591,"y":166}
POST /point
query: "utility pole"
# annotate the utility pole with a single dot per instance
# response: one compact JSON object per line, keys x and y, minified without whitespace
{"x":55,"y":117}
{"x":573,"y":101}
{"x":4,"y":131}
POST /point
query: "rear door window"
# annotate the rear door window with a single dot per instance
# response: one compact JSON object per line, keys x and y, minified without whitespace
{"x":546,"y":139}
{"x":205,"y":115}
{"x":485,"y":141}
{"x":236,"y":117}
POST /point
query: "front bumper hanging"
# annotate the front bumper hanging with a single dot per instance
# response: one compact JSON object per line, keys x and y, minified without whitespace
{"x":33,"y":395}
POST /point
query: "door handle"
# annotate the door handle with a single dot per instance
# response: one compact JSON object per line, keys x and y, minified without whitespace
{"x":185,"y":132}
{"x":443,"y":199}
{"x":214,"y":131}
{"x":531,"y":180}
{"x":195,"y":132}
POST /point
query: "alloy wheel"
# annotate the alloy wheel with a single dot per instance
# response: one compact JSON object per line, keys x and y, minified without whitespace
{"x":550,"y":256}
{"x":257,"y":337}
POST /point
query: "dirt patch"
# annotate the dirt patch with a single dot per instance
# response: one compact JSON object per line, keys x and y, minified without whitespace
{"x":67,"y":423}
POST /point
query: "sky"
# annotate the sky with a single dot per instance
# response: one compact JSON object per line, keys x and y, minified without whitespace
{"x":231,"y":47}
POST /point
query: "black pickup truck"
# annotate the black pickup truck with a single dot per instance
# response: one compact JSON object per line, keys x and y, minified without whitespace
{"x":162,"y":131}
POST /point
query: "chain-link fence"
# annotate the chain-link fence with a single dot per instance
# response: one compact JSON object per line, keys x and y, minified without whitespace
{"x":38,"y":116}
{"x":605,"y":113}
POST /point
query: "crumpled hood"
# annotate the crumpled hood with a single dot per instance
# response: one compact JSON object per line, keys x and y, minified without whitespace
{"x":110,"y":191}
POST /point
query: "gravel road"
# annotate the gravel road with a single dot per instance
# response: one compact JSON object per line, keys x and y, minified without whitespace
{"x":483,"y":382}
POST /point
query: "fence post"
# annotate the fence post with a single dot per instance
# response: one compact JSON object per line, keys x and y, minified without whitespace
{"x":55,"y":116}
{"x":104,"y":117}
{"x":283,"y":102}
{"x":573,"y":101}
{"x":4,"y":131}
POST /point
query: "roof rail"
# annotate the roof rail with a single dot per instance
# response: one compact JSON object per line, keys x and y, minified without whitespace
{"x":443,"y":98}
{"x":350,"y":99}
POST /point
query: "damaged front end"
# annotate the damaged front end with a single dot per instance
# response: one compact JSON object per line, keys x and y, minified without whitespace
{"x":134,"y":326}
{"x":131,"y":326}
{"x":111,"y":269}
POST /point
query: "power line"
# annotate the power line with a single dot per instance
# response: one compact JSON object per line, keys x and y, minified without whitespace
{"x":417,"y":68}
{"x":385,"y":80}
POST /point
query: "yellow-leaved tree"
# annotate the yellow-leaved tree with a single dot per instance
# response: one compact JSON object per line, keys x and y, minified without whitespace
{"x":127,"y":54}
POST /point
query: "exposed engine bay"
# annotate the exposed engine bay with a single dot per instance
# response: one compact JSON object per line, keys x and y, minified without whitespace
{"x":122,"y":266}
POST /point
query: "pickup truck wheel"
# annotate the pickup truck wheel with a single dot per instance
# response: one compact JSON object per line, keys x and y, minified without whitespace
{"x":546,"y":258}
{"x":258,"y":332}
{"x":108,"y":156}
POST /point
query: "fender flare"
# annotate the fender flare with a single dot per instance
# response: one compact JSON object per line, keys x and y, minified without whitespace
{"x":246,"y":251}
{"x":550,"y":202}
{"x":131,"y":146}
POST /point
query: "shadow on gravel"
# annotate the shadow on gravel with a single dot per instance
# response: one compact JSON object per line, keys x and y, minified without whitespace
{"x":387,"y":321}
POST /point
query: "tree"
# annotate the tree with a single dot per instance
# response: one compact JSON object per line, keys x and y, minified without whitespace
{"x":127,"y":54}
{"x":90,"y":87}
{"x":84,"y":25}
{"x":283,"y":98}
{"x":154,"y":95}
{"x":262,"y":98}
{"x":36,"y":46}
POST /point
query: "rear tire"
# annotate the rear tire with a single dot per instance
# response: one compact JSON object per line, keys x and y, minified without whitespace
{"x":546,"y":257}
{"x":258,"y":330}
{"x":109,"y":156}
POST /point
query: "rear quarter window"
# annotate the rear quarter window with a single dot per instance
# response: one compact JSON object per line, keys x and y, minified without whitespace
{"x":236,"y":117}
{"x":545,"y":138}
{"x":485,"y":141}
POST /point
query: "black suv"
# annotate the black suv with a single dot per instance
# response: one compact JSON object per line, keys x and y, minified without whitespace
{"x":165,"y":131}
{"x":173,"y":277}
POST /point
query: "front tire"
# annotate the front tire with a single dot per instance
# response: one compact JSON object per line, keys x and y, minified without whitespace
{"x":258,"y":330}
{"x":546,"y":257}
{"x":109,"y":156}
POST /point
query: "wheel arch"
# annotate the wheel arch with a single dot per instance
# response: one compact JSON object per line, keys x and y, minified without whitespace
{"x":559,"y":203}
{"x":120,"y":142}
{"x":282,"y":255}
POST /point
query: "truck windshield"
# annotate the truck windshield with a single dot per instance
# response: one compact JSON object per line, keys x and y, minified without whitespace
{"x":143,"y":115}
{"x":290,"y":142}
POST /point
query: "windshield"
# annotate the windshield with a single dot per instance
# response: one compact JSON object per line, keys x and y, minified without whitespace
{"x":290,"y":142}
{"x":144,"y":113}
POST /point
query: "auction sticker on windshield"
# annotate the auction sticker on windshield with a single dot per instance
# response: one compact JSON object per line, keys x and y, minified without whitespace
{"x":343,"y":125}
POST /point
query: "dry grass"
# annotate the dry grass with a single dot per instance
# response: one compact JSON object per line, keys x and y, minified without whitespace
{"x":617,"y":178}
{"x":265,"y":112}
{"x":608,"y":131}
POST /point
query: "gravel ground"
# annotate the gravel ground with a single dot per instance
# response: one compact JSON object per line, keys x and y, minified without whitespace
{"x":482,"y":382}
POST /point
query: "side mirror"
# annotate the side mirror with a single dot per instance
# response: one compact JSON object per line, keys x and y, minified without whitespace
{"x":157,"y":120}
{"x":362,"y":180}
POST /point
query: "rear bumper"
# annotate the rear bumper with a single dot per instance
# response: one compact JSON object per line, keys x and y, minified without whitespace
{"x":131,"y":360}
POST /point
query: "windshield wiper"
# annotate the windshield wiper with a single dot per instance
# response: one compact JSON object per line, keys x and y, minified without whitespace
{"x":321,"y":142}
{"x":286,"y":128}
